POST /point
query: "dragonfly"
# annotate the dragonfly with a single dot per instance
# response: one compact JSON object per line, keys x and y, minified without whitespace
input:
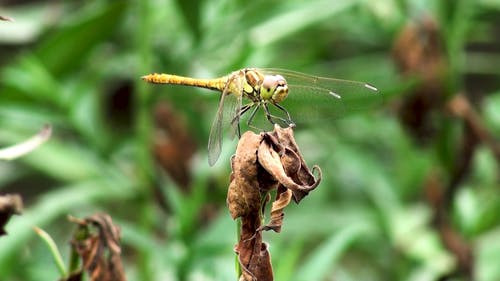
{"x":266,"y":88}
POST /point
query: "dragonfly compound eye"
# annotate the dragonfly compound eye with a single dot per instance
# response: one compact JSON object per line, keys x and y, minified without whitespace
{"x":274,"y":88}
{"x":281,"y":90}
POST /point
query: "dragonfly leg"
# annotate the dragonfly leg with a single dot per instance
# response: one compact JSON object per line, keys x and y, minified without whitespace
{"x":252,"y":115}
{"x":272,"y":118}
{"x":268,"y":114}
{"x":288,"y":117}
{"x":236,"y":118}
{"x":242,"y":111}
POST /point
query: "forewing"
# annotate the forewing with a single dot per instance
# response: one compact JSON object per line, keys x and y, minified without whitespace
{"x":228,"y":106}
{"x":313,"y":98}
{"x":233,"y":102}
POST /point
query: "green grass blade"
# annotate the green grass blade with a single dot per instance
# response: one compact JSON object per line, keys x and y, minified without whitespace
{"x":53,"y":250}
{"x":321,"y":262}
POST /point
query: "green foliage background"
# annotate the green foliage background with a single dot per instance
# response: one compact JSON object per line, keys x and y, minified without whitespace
{"x":62,"y":60}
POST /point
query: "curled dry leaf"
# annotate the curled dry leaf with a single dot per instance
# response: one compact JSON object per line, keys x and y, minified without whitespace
{"x":261,"y":164}
{"x":291,"y":169}
{"x":283,"y":197}
{"x":10,"y":204}
{"x":97,"y":242}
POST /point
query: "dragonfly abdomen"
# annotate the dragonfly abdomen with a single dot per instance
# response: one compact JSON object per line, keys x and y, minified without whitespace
{"x":161,"y":78}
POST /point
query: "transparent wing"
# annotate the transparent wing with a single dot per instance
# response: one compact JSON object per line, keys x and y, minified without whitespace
{"x":312,"y":97}
{"x":229,"y":104}
{"x":234,"y":104}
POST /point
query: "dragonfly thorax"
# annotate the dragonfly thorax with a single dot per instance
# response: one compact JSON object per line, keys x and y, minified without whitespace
{"x":264,"y":88}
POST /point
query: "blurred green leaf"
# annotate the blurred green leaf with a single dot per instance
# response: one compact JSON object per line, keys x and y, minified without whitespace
{"x":324,"y":258}
{"x":30,"y":77}
{"x":61,"y":160}
{"x":284,"y":266}
{"x":488,"y":253}
{"x":294,"y":18}
{"x":191,"y":11}
{"x":492,"y":115}
{"x":65,"y":49}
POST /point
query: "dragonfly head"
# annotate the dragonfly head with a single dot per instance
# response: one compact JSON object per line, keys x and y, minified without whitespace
{"x":274,"y":88}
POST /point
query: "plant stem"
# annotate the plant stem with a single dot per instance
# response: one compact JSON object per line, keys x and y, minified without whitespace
{"x":53,"y":250}
{"x":143,"y":129}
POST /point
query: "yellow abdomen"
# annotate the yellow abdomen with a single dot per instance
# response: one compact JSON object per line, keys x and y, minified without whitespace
{"x":217,"y":84}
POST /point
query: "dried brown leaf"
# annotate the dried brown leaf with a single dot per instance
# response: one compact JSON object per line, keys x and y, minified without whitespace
{"x":100,"y":250}
{"x":283,"y":198}
{"x":261,"y":164}
{"x":10,"y":204}
{"x":253,"y":254}
{"x":289,"y":168}
{"x":244,"y":196}
{"x":292,"y":156}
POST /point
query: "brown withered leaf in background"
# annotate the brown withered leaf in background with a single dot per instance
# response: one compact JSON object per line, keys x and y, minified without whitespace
{"x":460,"y":106}
{"x":173,"y":144}
{"x":100,"y":249}
{"x":10,"y":204}
{"x":452,"y":239}
{"x":261,"y":164}
{"x":419,"y":53}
